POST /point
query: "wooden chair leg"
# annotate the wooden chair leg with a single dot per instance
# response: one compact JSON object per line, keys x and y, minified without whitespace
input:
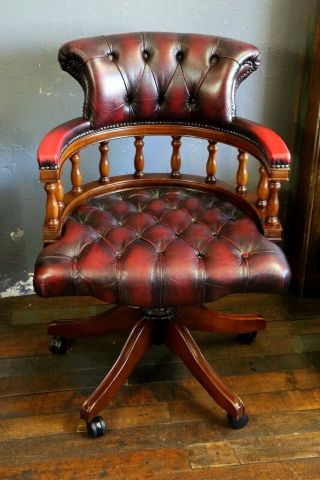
{"x":180,"y":341}
{"x":116,"y":319}
{"x":138,"y":342}
{"x":203,"y":319}
{"x":146,"y":330}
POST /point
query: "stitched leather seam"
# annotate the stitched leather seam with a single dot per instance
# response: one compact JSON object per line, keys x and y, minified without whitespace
{"x":202,"y":79}
{"x":216,"y":47}
{"x":147,"y":63}
{"x":118,"y":67}
{"x":170,"y":79}
{"x":245,"y":286}
{"x":108,"y":243}
{"x":262,"y":251}
{"x":226,"y":239}
{"x":57,"y":255}
{"x":85,"y":220}
{"x":231,"y":58}
{"x":159,"y":280}
{"x":185,"y":81}
{"x":210,"y":240}
{"x":86,"y":276}
{"x":140,"y":79}
{"x":201,"y":281}
{"x":223,"y":225}
{"x":121,"y":293}
{"x":86,"y":245}
{"x":154,"y":78}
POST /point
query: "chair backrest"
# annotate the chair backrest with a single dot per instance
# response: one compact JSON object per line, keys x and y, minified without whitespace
{"x":158,"y":76}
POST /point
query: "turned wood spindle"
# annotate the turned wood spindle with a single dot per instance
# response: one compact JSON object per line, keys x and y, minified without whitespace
{"x":175,"y":157}
{"x":60,"y":194}
{"x":104,"y":162}
{"x":263,"y":188}
{"x":212,"y":162}
{"x":138,"y":158}
{"x":242,"y":174}
{"x":52,"y":207}
{"x":273,"y":203}
{"x":76,"y":177}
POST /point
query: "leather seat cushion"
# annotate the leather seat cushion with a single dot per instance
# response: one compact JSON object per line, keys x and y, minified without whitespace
{"x":160,"y":247}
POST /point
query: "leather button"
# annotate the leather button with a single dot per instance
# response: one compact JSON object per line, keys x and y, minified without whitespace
{"x":244,"y":255}
{"x":180,"y":55}
{"x":145,"y":55}
{"x":213,"y":59}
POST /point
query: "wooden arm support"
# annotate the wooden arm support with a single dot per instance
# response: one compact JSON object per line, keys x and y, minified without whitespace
{"x":65,"y":142}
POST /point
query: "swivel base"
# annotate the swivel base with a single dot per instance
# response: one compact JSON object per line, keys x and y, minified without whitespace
{"x":170,"y":327}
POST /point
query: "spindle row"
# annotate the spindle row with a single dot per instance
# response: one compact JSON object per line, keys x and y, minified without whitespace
{"x":267,"y":190}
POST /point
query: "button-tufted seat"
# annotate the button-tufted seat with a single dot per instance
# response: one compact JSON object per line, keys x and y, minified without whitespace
{"x":159,"y":246}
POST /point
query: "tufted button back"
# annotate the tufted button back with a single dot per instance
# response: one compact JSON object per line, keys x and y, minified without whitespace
{"x":129,"y":247}
{"x":153,"y":65}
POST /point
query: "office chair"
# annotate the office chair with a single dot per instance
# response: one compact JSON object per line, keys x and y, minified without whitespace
{"x":159,"y":246}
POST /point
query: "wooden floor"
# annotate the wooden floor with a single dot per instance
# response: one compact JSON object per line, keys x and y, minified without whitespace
{"x":162,"y":424}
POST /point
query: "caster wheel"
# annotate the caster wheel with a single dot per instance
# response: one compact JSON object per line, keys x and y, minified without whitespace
{"x":247,"y":338}
{"x":238,"y":423}
{"x":59,"y":345}
{"x":96,"y":427}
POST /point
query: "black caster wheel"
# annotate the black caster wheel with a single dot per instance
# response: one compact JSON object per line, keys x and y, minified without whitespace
{"x":246,"y":338}
{"x":59,"y":345}
{"x":96,"y":427}
{"x":238,"y":423}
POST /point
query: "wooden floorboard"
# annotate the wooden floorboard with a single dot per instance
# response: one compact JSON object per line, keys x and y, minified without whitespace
{"x":161,"y":424}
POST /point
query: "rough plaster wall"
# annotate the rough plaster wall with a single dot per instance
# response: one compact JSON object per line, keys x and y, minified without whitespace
{"x":35,"y":94}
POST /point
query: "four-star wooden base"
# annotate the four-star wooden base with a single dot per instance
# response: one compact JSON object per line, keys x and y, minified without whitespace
{"x":168,"y":326}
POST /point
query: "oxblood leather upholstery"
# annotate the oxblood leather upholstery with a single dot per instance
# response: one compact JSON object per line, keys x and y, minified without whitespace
{"x":158,"y":76}
{"x":160,"y":247}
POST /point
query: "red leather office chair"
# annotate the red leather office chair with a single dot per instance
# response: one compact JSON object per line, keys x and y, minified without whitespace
{"x":159,"y":246}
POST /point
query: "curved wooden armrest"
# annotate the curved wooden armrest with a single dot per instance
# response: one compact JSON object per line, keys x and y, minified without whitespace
{"x":53,"y":143}
{"x":273,"y":147}
{"x":66,"y":140}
